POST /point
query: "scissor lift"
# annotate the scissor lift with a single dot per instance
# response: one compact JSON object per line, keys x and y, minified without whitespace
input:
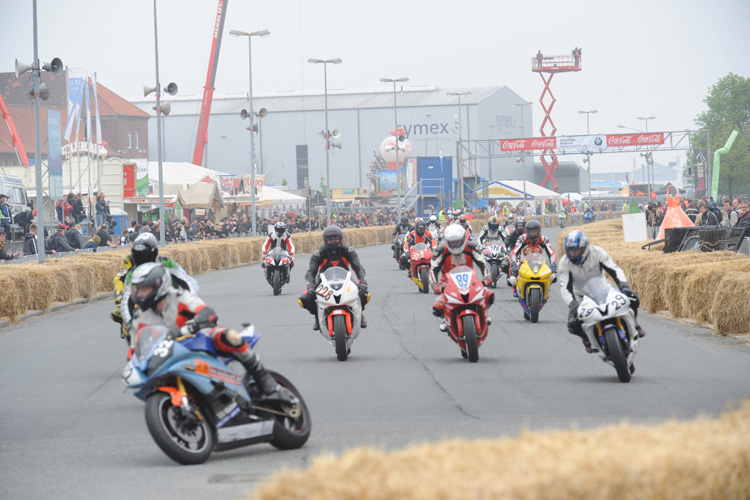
{"x":551,"y":65}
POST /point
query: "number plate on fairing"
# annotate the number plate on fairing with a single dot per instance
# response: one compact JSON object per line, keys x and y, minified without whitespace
{"x":463,"y":280}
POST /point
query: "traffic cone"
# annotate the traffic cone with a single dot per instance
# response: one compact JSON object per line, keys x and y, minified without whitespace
{"x":675,"y":216}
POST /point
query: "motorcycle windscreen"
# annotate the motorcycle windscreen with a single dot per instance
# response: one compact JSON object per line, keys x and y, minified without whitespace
{"x":277,"y":253}
{"x":462,"y":277}
{"x":598,"y":289}
{"x":146,"y":337}
{"x":535,"y":261}
{"x":336,"y":277}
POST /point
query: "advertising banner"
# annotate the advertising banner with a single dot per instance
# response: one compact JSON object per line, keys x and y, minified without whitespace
{"x":141,"y":176}
{"x":581,"y":142}
{"x":54,"y":154}
{"x":386,"y":182}
{"x":528,"y":144}
{"x":76,"y":80}
{"x":622,"y":140}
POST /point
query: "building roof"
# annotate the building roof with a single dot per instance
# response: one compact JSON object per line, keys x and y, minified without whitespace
{"x":15,"y":93}
{"x":279,"y":102}
{"x":175,"y":172}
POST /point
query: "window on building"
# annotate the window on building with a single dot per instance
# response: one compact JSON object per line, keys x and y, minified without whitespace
{"x":137,"y":144}
{"x":130,"y":139}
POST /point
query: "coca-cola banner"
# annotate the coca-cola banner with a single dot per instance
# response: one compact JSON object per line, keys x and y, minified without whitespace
{"x":581,"y":142}
{"x":622,"y":140}
{"x":528,"y":144}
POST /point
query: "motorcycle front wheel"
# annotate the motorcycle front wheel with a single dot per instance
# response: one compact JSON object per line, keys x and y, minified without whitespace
{"x":276,"y":281}
{"x":339,"y":336}
{"x":616,"y":354}
{"x":292,"y":429}
{"x":185,"y":441}
{"x":470,"y":338}
{"x":494,"y":273}
{"x":535,"y":304}
{"x":424,"y":279}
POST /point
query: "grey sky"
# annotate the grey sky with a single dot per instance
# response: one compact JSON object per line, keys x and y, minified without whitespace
{"x":640,"y":58}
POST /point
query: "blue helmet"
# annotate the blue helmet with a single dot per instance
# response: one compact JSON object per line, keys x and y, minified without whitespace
{"x":574,"y":240}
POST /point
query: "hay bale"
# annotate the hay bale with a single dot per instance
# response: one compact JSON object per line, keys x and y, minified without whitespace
{"x":697,"y":459}
{"x":731,"y":316}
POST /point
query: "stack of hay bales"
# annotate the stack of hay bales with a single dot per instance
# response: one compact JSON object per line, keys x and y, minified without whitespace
{"x":707,"y":287}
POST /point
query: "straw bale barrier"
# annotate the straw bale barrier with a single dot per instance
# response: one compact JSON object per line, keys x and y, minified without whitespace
{"x":30,"y":287}
{"x":698,"y":459}
{"x":706,"y":287}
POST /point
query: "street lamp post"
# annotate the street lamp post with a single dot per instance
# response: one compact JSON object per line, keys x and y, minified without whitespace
{"x":326,"y":132}
{"x":250,"y":36}
{"x":523,"y":156}
{"x":460,"y":146}
{"x":587,"y":159}
{"x":162,"y":232}
{"x":395,"y":132}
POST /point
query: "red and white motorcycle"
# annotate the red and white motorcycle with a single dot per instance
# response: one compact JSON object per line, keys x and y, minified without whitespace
{"x":466,"y":301}
{"x":339,"y":309}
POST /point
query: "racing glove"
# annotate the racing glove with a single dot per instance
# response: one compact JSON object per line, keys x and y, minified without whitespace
{"x":363,"y":287}
{"x":553,"y":267}
{"x":487,"y":281}
{"x":437,"y":289}
{"x":635,"y":300}
{"x":514,"y":267}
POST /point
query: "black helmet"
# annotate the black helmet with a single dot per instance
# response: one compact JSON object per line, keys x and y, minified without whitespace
{"x":145,"y":249}
{"x":533,"y":230}
{"x":280,"y":228}
{"x":420,"y":226}
{"x":333,"y":237}
{"x":404,"y":221}
{"x":155,"y":281}
{"x":520,"y":223}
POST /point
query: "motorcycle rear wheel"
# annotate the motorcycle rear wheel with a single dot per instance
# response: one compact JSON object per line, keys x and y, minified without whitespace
{"x":339,"y":335}
{"x":616,"y":354}
{"x":276,"y":281}
{"x":189,"y":444}
{"x":470,"y":338}
{"x":535,"y":304}
{"x":290,"y":433}
{"x":424,"y":279}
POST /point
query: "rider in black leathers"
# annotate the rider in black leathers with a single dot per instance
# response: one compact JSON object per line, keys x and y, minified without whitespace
{"x":520,"y":229}
{"x":332,"y":253}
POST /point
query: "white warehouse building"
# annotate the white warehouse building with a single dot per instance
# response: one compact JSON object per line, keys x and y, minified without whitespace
{"x":292,"y":148}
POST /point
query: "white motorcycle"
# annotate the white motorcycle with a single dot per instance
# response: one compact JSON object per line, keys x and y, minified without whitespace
{"x":609,"y":322}
{"x":339,"y":309}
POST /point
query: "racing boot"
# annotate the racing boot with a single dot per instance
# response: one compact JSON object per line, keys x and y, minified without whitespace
{"x":316,"y":325}
{"x":443,"y":326}
{"x":641,"y":332}
{"x":263,"y":379}
{"x":362,"y":322}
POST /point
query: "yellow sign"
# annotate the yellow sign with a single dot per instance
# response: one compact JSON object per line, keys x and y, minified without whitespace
{"x":501,"y":191}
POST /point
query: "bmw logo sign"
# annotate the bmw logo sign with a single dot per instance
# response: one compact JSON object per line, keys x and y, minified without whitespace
{"x":598,"y":141}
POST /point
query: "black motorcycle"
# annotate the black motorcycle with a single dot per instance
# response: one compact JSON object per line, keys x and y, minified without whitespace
{"x":278,"y":268}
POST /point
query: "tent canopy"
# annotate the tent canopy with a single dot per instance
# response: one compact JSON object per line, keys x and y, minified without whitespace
{"x":513,"y":191}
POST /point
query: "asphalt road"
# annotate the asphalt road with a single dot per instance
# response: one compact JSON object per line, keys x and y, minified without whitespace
{"x":68,"y":429}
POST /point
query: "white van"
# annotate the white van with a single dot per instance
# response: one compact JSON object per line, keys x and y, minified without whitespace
{"x":13,"y":187}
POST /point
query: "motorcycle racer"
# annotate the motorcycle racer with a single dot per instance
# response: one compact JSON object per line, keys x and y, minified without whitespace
{"x":278,"y":237}
{"x":581,"y":262}
{"x":332,"y":253}
{"x":532,"y":241}
{"x":433,"y":226}
{"x":455,"y":250}
{"x":520,"y":227}
{"x":184,"y":312}
{"x":419,"y":235}
{"x":145,"y":249}
{"x":491,"y":231}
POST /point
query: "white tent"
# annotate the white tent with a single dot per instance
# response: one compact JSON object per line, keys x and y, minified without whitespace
{"x":282,"y":199}
{"x":512,"y":191}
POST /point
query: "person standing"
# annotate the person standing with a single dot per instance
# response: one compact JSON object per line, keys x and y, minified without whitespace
{"x":744,"y":219}
{"x":7,"y":215}
{"x":539,"y":58}
{"x":729,"y":216}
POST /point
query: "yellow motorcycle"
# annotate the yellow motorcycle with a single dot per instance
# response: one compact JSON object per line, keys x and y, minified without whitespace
{"x":532,"y":285}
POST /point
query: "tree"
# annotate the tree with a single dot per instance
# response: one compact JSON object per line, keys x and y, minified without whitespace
{"x":729,"y":109}
{"x":378,"y":163}
{"x":323,"y":187}
{"x":284,"y":182}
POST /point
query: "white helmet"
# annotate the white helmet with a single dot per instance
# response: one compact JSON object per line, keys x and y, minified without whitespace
{"x":455,"y":238}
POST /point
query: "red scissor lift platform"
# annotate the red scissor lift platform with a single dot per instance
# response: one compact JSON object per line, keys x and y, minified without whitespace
{"x":551,"y":65}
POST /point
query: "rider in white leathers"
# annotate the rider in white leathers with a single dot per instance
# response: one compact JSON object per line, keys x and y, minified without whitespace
{"x":580,"y":263}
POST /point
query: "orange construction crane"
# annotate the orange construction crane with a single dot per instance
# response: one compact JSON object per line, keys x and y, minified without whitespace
{"x":17,"y":145}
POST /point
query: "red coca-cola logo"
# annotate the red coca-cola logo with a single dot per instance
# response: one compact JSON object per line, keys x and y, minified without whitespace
{"x":651,"y":139}
{"x":619,"y":140}
{"x":547,"y":143}
{"x":513,"y":145}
